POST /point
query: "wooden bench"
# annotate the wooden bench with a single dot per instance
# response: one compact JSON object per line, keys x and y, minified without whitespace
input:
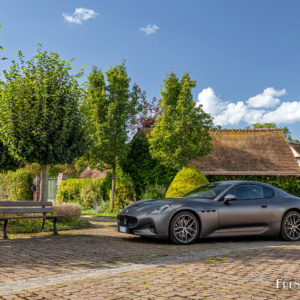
{"x":25,"y":210}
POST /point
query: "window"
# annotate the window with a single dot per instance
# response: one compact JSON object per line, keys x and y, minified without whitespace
{"x":248,"y":192}
{"x":268,"y":193}
{"x":208,"y":191}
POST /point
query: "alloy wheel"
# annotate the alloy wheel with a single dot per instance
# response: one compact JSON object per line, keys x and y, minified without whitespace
{"x":292,"y":226}
{"x":185,"y":228}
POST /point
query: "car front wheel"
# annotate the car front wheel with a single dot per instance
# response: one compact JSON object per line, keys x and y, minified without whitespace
{"x":290,"y":227}
{"x":184,"y":228}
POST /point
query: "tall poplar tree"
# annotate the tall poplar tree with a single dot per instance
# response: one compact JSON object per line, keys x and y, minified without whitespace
{"x":40,"y":120}
{"x":180,"y":133}
{"x":109,"y":107}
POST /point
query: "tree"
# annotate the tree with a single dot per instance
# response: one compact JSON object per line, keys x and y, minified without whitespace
{"x":285,"y":129}
{"x":40,"y":119}
{"x":149,"y":113}
{"x":109,"y":107}
{"x":180,"y":134}
{"x":143,"y":169}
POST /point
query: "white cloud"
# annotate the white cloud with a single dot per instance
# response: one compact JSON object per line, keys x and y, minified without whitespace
{"x":80,"y":15}
{"x":287,"y":112}
{"x":149,"y":29}
{"x":266,"y":99}
{"x":262,"y":108}
{"x":211,"y":103}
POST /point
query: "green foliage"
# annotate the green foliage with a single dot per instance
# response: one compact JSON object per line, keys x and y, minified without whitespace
{"x":108,"y":107}
{"x":154,"y":192}
{"x":71,"y":190}
{"x":40,"y":119}
{"x":92,"y":193}
{"x":180,"y":134}
{"x":125,"y":193}
{"x":143,"y":169}
{"x":124,"y":196}
{"x":68,"y":169}
{"x":34,"y":169}
{"x":290,"y":185}
{"x":186,"y":180}
{"x":16,"y":185}
{"x":7,"y":161}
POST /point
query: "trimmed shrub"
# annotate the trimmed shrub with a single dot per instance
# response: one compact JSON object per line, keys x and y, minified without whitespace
{"x":124,"y":196}
{"x":67,"y":210}
{"x":92,"y":193}
{"x":70,"y":190}
{"x":187,"y":179}
{"x":16,"y":185}
{"x":154,"y":192}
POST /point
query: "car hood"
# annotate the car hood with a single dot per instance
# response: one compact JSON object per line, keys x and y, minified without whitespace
{"x":147,"y":205}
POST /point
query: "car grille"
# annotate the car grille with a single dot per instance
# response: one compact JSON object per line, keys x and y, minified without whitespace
{"x":127,"y":221}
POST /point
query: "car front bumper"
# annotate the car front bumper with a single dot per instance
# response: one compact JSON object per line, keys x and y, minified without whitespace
{"x":145,"y":224}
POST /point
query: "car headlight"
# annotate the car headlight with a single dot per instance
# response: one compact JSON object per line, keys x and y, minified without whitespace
{"x":160,"y":209}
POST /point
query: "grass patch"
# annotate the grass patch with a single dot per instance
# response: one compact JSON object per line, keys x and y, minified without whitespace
{"x":35,"y":225}
{"x":91,"y":212}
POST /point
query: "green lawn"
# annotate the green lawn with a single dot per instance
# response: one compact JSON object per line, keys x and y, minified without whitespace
{"x":34,"y":225}
{"x":91,"y":212}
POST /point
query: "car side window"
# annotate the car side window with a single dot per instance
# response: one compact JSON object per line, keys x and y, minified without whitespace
{"x":268,"y":193}
{"x":248,"y":192}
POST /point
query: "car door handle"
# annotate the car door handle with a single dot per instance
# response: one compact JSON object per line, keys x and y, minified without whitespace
{"x":264,"y":205}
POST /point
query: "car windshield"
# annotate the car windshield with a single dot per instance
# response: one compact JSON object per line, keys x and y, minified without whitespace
{"x":208,"y":191}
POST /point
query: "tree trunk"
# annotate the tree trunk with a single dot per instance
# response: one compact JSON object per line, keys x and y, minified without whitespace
{"x":113,"y":189}
{"x":44,"y":183}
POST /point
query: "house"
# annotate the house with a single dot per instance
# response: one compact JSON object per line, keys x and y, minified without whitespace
{"x":93,"y":173}
{"x":255,"y":152}
{"x":295,"y":147}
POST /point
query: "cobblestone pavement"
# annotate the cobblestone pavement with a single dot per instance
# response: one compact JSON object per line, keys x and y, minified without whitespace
{"x":103,"y":264}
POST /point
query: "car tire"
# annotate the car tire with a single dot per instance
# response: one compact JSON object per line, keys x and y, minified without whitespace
{"x":290,"y":226}
{"x":184,"y":228}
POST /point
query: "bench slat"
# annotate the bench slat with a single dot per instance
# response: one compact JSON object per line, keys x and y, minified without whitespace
{"x":24,"y":203}
{"x":28,"y":217}
{"x":25,"y":210}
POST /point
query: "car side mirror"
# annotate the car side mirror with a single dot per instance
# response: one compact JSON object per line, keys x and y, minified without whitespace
{"x":228,"y":198}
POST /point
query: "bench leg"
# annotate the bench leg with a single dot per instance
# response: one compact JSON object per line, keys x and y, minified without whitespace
{"x":4,"y":229}
{"x":54,"y":226}
{"x":43,"y":225}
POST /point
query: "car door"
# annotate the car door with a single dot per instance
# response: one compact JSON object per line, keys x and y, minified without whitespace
{"x":250,"y":213}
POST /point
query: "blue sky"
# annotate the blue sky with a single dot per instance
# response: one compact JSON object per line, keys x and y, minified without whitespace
{"x":244,"y":55}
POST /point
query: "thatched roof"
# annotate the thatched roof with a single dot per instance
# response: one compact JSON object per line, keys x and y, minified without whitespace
{"x":249,"y":152}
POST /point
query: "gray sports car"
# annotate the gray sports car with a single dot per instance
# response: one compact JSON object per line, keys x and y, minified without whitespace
{"x":219,"y":209}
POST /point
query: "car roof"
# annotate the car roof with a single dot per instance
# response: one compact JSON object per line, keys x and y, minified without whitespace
{"x":240,"y":181}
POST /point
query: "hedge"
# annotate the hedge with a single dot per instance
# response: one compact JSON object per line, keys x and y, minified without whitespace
{"x":70,"y":190}
{"x":290,"y":185}
{"x":187,"y":179}
{"x":16,"y":185}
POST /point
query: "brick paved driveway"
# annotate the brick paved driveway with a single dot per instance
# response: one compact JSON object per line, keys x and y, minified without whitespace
{"x":100,"y":263}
